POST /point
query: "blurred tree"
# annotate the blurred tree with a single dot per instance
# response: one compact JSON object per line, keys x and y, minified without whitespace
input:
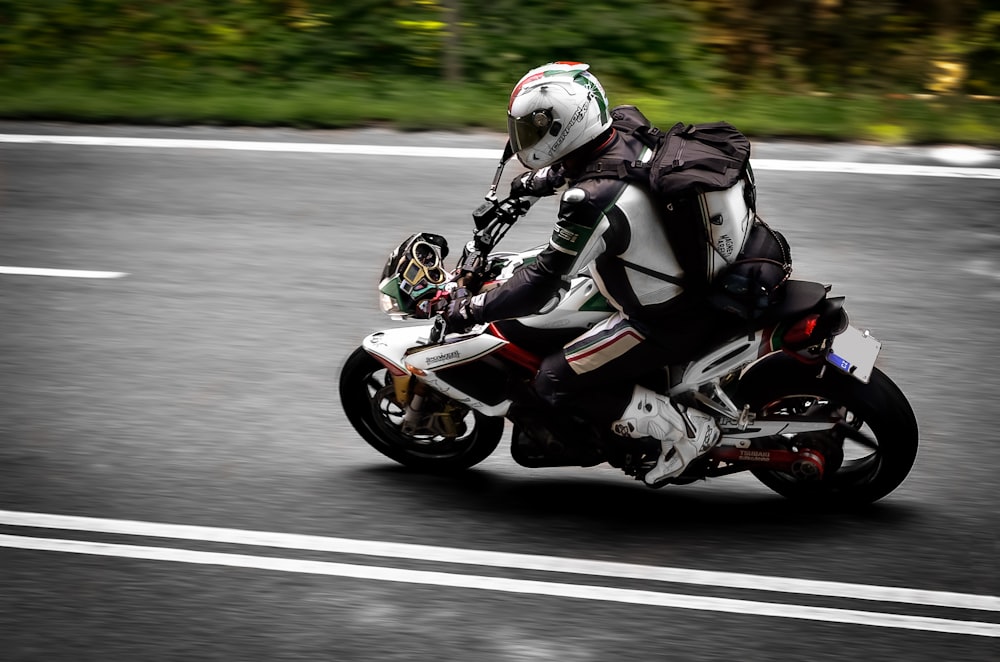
{"x":452,"y":46}
{"x":946,"y":46}
{"x":634,"y":42}
{"x":983,"y":56}
{"x":852,"y":45}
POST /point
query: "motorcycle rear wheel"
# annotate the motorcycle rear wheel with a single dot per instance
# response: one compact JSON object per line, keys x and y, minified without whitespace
{"x":366,"y":396}
{"x":877,"y":425}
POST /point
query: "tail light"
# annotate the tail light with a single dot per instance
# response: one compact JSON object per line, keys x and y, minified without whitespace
{"x":801,"y":332}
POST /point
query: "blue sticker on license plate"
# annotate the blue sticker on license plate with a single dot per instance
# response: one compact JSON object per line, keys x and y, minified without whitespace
{"x":840,"y":362}
{"x":854,"y":351}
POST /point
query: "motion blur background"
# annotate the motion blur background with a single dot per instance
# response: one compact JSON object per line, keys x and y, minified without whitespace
{"x":888,"y":71}
{"x":201,"y":387}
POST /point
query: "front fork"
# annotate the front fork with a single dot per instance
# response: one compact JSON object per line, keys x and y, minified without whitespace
{"x":420,"y":415}
{"x":410,"y":396}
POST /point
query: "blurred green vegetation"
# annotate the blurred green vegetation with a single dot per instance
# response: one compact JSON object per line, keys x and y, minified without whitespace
{"x":897,"y":71}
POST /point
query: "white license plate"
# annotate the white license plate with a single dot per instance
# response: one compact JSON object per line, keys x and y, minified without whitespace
{"x":854,"y":351}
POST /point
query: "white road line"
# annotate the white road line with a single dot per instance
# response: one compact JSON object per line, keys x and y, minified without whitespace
{"x":504,"y":560}
{"x":258,"y":146}
{"x":554,"y":589}
{"x":981,"y":267}
{"x":842,"y":167}
{"x":850,"y":168}
{"x":61,"y":273}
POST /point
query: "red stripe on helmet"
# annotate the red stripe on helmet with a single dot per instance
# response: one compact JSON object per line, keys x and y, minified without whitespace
{"x":524,"y":81}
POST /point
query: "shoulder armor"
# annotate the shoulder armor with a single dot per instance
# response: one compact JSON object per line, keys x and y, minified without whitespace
{"x":574,"y":196}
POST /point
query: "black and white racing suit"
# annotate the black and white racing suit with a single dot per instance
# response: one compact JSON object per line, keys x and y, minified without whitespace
{"x":611,"y":228}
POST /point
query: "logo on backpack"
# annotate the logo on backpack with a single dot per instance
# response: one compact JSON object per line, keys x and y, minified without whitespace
{"x":725,"y":246}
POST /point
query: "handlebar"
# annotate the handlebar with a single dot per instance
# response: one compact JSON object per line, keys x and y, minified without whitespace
{"x":507,"y":211}
{"x":493,"y":219}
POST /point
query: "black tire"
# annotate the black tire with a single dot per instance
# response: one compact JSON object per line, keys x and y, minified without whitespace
{"x":365,"y":393}
{"x":879,"y":431}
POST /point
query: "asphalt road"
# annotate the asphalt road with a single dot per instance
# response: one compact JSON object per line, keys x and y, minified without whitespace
{"x":200,"y":389}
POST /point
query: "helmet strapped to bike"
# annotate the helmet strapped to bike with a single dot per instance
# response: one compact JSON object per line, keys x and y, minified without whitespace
{"x":553,"y":110}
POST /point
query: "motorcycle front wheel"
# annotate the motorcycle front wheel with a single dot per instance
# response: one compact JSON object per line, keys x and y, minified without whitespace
{"x":872,"y":442}
{"x":368,"y":398}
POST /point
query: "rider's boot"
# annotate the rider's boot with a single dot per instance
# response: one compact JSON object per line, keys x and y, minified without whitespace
{"x":650,"y":414}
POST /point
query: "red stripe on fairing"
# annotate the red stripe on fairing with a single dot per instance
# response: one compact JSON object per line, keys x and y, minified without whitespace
{"x":515,"y":354}
{"x":611,"y":341}
{"x":767,"y":344}
{"x":389,"y":365}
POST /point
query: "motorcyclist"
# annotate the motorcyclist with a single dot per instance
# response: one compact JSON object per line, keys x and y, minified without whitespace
{"x":559,"y":121}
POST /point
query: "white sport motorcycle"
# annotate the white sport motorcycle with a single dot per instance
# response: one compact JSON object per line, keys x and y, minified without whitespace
{"x":797,"y":396}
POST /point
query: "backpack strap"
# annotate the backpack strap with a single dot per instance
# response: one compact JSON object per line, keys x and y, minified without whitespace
{"x":609,"y":169}
{"x":629,"y":121}
{"x":650,"y":136}
{"x":654,"y":273}
{"x":721,"y":135}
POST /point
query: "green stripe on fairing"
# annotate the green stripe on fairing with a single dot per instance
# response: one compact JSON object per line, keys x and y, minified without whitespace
{"x":391,"y":288}
{"x":775,"y":341}
{"x":597,"y":303}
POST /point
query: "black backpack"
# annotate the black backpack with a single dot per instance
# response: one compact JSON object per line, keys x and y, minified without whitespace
{"x":687,"y":162}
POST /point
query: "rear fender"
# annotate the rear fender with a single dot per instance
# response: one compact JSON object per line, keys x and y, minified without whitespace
{"x":759,"y":364}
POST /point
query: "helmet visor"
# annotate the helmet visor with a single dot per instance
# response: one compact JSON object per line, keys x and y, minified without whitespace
{"x":528,"y":129}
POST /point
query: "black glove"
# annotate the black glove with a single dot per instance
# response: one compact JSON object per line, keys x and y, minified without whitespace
{"x":430,"y":307}
{"x":537,"y":183}
{"x":460,"y":315}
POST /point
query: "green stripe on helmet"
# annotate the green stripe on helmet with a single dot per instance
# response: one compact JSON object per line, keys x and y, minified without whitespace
{"x":587,"y":81}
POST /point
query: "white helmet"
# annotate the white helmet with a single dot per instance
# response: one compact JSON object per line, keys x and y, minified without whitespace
{"x":553,"y":110}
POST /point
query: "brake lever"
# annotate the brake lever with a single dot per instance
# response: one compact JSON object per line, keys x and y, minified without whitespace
{"x":520,"y":206}
{"x":439,"y":328}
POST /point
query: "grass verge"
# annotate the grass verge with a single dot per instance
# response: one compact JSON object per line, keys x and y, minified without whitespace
{"x":416,"y":105}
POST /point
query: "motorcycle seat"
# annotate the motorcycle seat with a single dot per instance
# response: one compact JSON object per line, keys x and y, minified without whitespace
{"x":800,"y":296}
